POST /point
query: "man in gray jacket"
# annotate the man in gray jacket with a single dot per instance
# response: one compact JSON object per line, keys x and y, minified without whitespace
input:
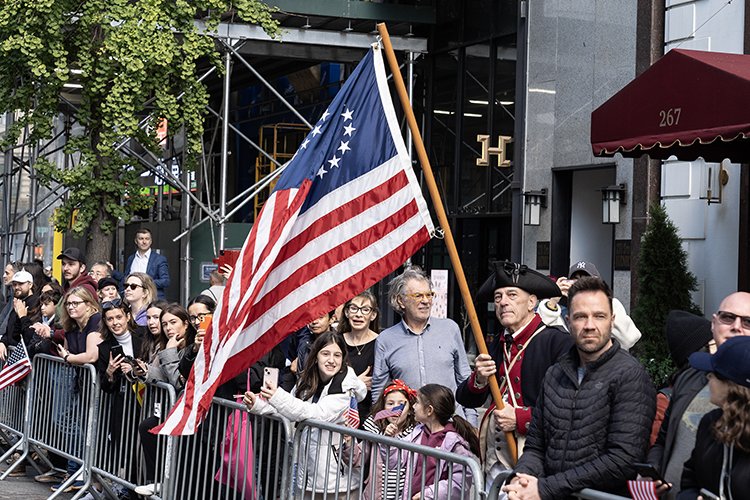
{"x":593,"y":416}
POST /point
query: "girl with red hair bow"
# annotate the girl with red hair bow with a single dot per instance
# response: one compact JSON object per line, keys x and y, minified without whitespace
{"x":392,"y":415}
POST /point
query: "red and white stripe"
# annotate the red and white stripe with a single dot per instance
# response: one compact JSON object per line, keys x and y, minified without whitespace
{"x":18,"y":366}
{"x":642,"y":490}
{"x":295,"y":267}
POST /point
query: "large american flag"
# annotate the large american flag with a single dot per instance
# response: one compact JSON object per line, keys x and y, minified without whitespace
{"x":346,"y":212}
{"x":17,"y":367}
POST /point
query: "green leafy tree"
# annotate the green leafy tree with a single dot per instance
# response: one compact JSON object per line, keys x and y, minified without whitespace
{"x":132,"y":58}
{"x":666,"y":284}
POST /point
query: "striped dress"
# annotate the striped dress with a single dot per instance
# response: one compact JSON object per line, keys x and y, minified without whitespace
{"x":393,"y":480}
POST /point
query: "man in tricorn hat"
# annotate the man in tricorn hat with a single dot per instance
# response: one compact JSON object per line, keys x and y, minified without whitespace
{"x":522,"y":355}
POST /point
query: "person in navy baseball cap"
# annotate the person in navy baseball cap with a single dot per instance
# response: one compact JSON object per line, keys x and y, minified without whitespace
{"x":731,"y":360}
{"x":720,"y":460}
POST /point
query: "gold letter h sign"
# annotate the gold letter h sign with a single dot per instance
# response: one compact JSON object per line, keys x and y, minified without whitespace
{"x":484,"y":161}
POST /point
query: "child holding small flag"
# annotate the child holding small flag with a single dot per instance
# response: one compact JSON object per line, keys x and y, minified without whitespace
{"x":391,"y":415}
{"x":439,"y":427}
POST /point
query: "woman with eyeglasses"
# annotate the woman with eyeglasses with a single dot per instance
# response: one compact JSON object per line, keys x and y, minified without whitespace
{"x":200,"y":307}
{"x":139,"y":290}
{"x":81,"y":318}
{"x":359,"y":325}
{"x":720,"y":461}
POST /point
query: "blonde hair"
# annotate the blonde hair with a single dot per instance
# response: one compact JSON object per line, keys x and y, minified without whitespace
{"x":149,"y":287}
{"x":69,"y":324}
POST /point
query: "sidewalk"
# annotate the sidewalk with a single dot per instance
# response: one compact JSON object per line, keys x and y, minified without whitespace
{"x":26,"y":488}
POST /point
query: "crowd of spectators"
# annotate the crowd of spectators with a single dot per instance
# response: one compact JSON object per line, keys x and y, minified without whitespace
{"x":577,"y":408}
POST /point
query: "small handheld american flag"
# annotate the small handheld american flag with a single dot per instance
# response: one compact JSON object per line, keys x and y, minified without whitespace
{"x":352,"y":413}
{"x":642,"y":490}
{"x":16,"y":368}
{"x":396,"y":411}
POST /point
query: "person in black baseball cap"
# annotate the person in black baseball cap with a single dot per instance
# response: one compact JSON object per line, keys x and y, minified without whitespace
{"x":74,"y":271}
{"x":720,"y":461}
{"x":554,"y":310}
{"x":522,"y":354}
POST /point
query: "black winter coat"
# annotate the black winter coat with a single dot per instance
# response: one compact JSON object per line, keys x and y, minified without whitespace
{"x":703,"y":470}
{"x":687,"y":385}
{"x":589,"y":435}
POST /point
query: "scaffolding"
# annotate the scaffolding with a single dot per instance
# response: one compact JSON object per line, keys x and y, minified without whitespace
{"x":27,"y":205}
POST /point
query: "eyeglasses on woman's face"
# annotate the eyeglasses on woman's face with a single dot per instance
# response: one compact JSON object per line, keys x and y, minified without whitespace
{"x":354,"y":309}
{"x":132,"y":286}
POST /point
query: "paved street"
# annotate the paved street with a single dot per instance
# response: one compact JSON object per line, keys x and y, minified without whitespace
{"x":26,"y":488}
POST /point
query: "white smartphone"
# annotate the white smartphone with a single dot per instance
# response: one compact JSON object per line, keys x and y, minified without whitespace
{"x":270,"y":377}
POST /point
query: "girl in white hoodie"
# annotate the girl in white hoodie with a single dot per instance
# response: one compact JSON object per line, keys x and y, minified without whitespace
{"x":323,"y":392}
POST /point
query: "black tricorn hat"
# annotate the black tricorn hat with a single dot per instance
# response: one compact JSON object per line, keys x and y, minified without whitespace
{"x":518,"y":275}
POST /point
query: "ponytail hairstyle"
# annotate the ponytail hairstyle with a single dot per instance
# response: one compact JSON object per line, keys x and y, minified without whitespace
{"x":310,"y":383}
{"x":444,"y":405}
{"x":411,"y":396}
{"x":205,"y":300}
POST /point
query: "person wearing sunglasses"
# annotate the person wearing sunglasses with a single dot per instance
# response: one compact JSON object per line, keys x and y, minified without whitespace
{"x":139,"y":291}
{"x":691,"y":398}
{"x":419,"y":349}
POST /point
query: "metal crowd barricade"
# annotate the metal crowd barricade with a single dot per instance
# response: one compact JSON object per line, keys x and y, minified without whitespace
{"x":117,"y":441}
{"x":13,"y":411}
{"x":585,"y":494}
{"x":395,"y":468}
{"x":62,"y":409}
{"x":235,"y":455}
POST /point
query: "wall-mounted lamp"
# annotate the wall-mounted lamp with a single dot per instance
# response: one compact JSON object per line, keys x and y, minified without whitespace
{"x":713,"y":179}
{"x":612,"y":198}
{"x":533,"y":203}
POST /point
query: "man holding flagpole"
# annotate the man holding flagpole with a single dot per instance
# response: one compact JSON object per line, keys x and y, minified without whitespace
{"x":346,"y":212}
{"x":522,"y":356}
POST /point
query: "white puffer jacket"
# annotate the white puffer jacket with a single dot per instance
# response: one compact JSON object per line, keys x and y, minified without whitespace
{"x":330,"y":407}
{"x":624,"y":330}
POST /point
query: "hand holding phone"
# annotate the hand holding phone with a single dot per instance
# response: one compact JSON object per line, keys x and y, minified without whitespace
{"x":117,"y":351}
{"x":270,"y":382}
{"x":649,"y":471}
{"x":270,"y":377}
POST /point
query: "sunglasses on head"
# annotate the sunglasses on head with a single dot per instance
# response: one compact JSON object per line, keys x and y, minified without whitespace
{"x":115,"y":303}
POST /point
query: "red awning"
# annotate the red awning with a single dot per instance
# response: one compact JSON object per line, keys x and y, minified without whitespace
{"x":689,"y":104}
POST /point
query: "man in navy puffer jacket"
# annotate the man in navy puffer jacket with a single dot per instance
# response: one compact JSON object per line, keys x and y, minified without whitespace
{"x":594,"y":414}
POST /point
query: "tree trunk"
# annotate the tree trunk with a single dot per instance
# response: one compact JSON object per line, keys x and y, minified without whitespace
{"x":99,"y":246}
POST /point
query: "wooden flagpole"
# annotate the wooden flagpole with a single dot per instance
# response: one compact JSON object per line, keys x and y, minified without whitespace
{"x":443,"y":220}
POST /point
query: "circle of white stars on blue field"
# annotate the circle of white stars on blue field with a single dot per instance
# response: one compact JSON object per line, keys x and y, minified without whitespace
{"x":334,"y":162}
